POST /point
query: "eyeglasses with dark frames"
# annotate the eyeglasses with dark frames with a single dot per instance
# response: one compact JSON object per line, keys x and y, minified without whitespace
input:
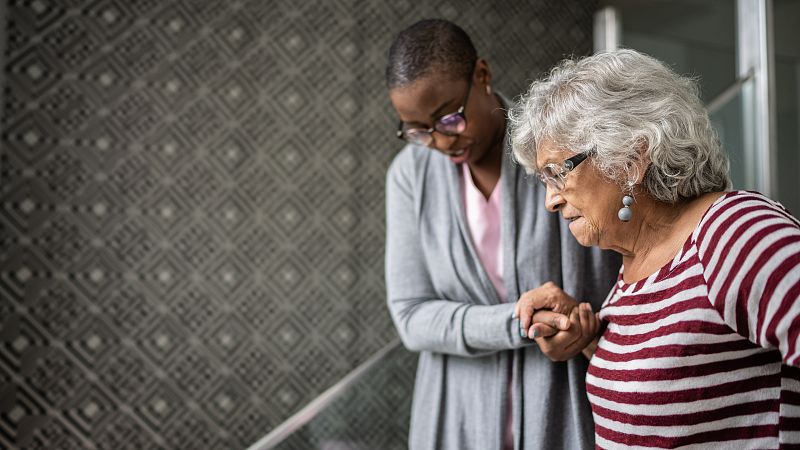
{"x":451,"y":124}
{"x":555,"y":175}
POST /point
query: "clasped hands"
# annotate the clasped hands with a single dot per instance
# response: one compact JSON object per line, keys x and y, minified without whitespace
{"x":557,"y":322}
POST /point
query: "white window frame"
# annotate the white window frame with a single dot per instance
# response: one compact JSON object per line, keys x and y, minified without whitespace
{"x":755,"y":70}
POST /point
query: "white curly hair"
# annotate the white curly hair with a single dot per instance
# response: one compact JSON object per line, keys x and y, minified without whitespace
{"x":631,"y":110}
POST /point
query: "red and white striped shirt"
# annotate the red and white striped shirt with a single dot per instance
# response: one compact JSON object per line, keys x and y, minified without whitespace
{"x":704,"y":353}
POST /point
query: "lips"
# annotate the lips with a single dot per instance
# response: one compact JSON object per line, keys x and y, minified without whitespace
{"x":572,"y":219}
{"x":458,"y":156}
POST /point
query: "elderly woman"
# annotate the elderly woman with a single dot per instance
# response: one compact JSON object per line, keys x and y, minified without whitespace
{"x":700,"y":346}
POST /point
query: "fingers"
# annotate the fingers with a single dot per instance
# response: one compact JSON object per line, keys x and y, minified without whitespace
{"x":549,"y":296}
{"x":547,"y":324}
{"x":559,"y":312}
{"x":545,"y":296}
{"x":525,"y":314}
{"x":575,"y":322}
{"x":589,"y":325}
{"x":594,"y":321}
{"x":538,"y":330}
{"x":543,"y":324}
{"x":541,"y":327}
{"x":575,"y":332}
{"x":588,"y":320}
{"x":553,"y":319}
{"x":524,"y":311}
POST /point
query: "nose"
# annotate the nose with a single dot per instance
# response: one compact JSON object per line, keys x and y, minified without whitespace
{"x":553,"y":200}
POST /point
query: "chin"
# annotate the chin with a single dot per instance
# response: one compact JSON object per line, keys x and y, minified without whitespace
{"x":584,"y":240}
{"x":586,"y":235}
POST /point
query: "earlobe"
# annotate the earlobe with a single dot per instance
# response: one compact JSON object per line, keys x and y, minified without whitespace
{"x":635,"y":171}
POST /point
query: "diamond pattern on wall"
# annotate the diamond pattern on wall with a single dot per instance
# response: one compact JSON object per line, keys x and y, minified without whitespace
{"x":191,"y":213}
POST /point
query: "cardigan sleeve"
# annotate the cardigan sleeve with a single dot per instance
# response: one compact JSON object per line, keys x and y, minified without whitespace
{"x":749,"y":248}
{"x":424,"y":321}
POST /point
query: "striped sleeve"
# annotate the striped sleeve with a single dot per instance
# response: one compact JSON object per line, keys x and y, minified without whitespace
{"x":749,"y":247}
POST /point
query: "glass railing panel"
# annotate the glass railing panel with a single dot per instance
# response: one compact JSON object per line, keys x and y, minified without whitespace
{"x":370,"y":413}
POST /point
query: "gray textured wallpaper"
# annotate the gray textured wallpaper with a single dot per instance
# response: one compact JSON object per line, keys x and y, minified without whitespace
{"x":192,"y":209}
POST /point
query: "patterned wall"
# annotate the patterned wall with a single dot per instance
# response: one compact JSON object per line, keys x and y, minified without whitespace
{"x":191,"y":206}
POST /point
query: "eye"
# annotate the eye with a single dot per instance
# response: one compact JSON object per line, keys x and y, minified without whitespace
{"x":550,"y":171}
{"x":451,"y":123}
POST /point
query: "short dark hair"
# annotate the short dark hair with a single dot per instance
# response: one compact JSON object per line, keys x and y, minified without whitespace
{"x":427,"y":45}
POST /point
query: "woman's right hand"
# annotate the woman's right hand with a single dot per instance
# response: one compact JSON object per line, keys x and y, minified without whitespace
{"x":579,"y":335}
{"x":544,"y":311}
{"x":560,"y":326}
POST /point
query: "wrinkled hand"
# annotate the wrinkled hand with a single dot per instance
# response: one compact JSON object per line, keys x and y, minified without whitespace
{"x":560,"y":326}
{"x":580,"y":333}
{"x":544,"y":311}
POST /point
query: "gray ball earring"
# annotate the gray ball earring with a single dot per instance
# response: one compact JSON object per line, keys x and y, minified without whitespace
{"x":488,"y":90}
{"x":625,"y":213}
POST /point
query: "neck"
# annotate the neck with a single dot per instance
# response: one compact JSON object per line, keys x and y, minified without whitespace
{"x":660,"y":233}
{"x":486,"y":172}
{"x":651,"y":227}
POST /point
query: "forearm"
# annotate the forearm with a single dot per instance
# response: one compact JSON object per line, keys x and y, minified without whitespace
{"x":490,"y":328}
{"x":456,"y":328}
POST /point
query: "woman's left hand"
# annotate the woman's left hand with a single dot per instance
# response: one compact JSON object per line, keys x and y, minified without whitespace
{"x":581,"y":332}
{"x":560,"y":326}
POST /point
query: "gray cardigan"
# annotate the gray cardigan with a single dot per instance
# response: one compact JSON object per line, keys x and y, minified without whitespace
{"x":445,"y":307}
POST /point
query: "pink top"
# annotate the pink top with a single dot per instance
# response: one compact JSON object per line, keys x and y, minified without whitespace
{"x":483,"y":218}
{"x":484,"y":221}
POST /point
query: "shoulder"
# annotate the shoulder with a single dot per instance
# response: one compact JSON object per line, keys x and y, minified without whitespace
{"x":741,"y":216}
{"x":408,"y":161}
{"x":739,"y":206}
{"x":736,"y":199}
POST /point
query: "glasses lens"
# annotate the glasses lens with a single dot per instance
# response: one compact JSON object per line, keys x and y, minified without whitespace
{"x":417,"y":135}
{"x":551,"y":177}
{"x":451,"y":124}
